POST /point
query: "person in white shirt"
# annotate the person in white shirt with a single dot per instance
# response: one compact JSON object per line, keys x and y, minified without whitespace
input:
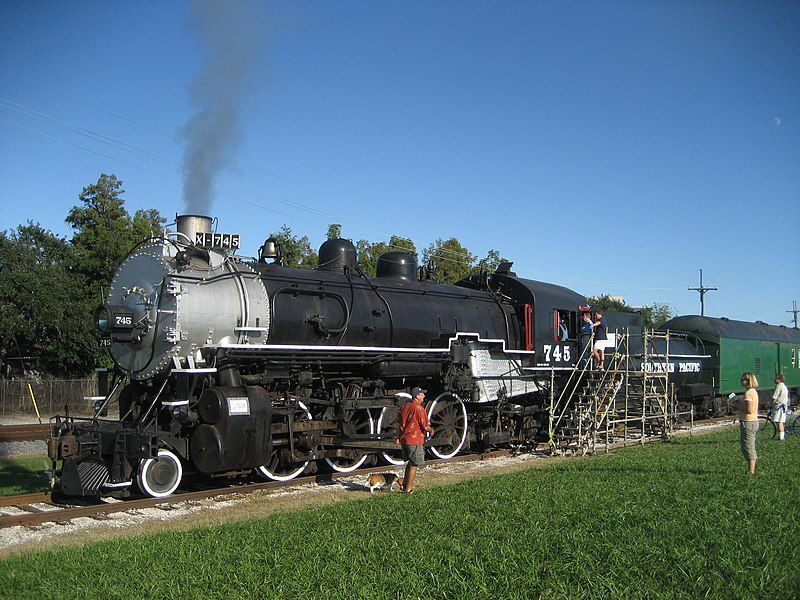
{"x":780,"y":403}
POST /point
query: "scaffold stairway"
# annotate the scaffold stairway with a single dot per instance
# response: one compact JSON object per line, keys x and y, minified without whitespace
{"x":586,"y":401}
{"x":629,"y":400}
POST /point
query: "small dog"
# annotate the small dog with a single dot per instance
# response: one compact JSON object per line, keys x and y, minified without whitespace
{"x":377,"y":481}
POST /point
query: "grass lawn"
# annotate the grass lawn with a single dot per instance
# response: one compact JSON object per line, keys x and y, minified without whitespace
{"x":23,"y":474}
{"x":676,"y":520}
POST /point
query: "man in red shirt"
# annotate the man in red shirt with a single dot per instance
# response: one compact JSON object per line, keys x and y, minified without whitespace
{"x":413,"y":423}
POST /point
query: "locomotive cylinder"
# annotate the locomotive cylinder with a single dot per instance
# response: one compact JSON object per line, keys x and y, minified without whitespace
{"x":235,"y":431}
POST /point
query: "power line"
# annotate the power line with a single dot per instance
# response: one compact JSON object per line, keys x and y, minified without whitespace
{"x":179,"y":167}
{"x":449,"y":255}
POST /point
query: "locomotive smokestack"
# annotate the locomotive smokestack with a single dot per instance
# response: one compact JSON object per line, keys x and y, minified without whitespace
{"x":190,"y":225}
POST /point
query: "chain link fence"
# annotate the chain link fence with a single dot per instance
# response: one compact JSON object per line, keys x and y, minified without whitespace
{"x":51,"y":396}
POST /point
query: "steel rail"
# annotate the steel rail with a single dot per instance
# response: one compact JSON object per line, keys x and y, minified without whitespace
{"x":24,"y":433}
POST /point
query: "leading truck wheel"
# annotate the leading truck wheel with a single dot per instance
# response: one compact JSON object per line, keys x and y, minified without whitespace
{"x":159,"y":477}
{"x":448,"y":417}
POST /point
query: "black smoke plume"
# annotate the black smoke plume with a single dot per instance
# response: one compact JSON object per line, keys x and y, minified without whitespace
{"x":231,"y":35}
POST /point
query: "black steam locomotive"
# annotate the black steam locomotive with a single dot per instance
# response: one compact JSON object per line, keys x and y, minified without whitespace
{"x":228,"y":365}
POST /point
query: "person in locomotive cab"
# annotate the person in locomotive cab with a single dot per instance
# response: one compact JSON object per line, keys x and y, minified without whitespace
{"x":600,"y":337}
{"x":563,"y":331}
{"x":748,"y":420}
{"x":780,"y":404}
{"x":414,"y":424}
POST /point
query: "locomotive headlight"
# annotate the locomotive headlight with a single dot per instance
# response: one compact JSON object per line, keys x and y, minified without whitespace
{"x":103,"y":318}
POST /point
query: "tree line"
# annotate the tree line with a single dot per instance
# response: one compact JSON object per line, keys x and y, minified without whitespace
{"x":51,"y":287}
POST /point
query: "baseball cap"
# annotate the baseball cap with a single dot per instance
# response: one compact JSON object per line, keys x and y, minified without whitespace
{"x":417,"y":390}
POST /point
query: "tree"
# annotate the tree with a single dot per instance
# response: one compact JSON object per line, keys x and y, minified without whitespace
{"x":491,"y":262}
{"x":657,"y":314}
{"x":146,"y":223}
{"x":334,"y":231}
{"x":449,"y":260}
{"x":44,"y":312}
{"x":654,"y":315}
{"x":295,"y":252}
{"x":606,"y":303}
{"x":104,"y":231}
{"x":50,"y":287}
{"x":368,"y":252}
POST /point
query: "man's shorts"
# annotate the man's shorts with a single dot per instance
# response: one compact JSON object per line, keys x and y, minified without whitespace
{"x":414,"y":455}
{"x":747,"y":439}
{"x":779,"y":413}
{"x":599,"y":345}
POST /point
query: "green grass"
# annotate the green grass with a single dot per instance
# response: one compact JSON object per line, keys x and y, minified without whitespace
{"x":23,"y":474}
{"x":677,"y":520}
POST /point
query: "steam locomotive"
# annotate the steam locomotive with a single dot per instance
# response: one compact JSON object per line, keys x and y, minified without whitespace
{"x":232,"y":365}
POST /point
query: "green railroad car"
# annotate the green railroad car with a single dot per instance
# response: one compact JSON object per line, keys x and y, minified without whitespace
{"x":739,"y":346}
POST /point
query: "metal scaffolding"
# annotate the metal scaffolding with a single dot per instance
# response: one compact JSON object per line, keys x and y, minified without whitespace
{"x":628,"y":401}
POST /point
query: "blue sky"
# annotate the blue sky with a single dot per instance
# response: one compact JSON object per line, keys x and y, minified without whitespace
{"x":611,"y":147}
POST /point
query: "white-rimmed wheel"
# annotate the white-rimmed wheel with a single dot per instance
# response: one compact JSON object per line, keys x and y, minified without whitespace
{"x":388,"y":423}
{"x":448,"y":417}
{"x":280,"y":466}
{"x":356,"y":422}
{"x":159,"y":477}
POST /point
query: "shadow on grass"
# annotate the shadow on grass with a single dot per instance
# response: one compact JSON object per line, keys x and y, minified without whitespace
{"x":15,"y":476}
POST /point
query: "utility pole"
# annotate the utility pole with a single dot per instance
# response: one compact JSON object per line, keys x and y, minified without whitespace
{"x":702,"y":289}
{"x":794,"y":310}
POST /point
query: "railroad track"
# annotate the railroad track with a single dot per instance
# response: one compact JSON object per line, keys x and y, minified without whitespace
{"x":34,"y":509}
{"x":24,"y":433}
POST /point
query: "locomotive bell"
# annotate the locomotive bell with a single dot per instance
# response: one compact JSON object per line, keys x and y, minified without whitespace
{"x":270,"y":250}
